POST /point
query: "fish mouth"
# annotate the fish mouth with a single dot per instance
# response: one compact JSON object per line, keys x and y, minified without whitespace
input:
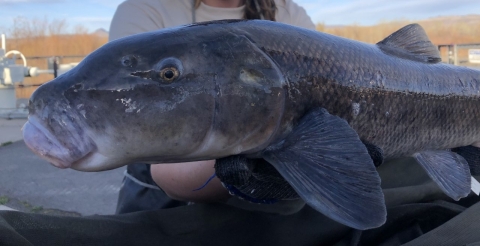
{"x":62,"y":151}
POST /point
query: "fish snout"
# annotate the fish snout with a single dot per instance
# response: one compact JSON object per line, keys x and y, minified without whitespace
{"x":45,"y":96}
{"x":61,"y":143}
{"x":54,"y":130}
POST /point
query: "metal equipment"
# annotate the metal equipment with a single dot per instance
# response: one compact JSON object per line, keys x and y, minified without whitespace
{"x":12,"y":75}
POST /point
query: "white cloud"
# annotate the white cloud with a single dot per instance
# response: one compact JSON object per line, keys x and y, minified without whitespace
{"x":29,"y":1}
{"x":372,"y":11}
{"x":90,"y":19}
{"x":107,"y":3}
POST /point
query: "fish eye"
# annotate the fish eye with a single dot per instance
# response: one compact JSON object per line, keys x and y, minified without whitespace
{"x":166,"y":71}
{"x":129,"y":61}
{"x":169,"y":73}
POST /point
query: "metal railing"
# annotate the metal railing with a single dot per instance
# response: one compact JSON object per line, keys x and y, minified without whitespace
{"x":461,"y":54}
{"x":47,"y":63}
{"x":51,"y":63}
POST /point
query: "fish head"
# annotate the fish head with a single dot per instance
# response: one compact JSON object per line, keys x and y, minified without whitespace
{"x":182,"y":94}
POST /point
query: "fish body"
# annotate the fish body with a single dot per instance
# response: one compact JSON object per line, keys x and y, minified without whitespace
{"x":401,"y":105}
{"x":313,"y":105}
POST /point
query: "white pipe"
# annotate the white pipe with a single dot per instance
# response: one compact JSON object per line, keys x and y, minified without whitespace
{"x":3,"y":43}
{"x":18,"y":53}
{"x":34,"y":71}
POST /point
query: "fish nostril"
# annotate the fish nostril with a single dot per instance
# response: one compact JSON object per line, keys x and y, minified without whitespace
{"x":31,"y":107}
{"x":39,"y":105}
{"x":35,"y":105}
{"x":47,"y":98}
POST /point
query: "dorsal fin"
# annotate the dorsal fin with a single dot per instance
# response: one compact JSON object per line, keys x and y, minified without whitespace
{"x":411,"y":42}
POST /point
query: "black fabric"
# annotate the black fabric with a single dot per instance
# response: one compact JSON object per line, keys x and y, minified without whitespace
{"x":199,"y":224}
{"x":220,"y":224}
{"x":409,"y":221}
{"x":472,"y":155}
{"x":134,"y":197}
{"x":418,"y":213}
{"x":462,"y":230}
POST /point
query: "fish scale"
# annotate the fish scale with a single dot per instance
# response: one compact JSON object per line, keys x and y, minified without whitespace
{"x":419,"y":116}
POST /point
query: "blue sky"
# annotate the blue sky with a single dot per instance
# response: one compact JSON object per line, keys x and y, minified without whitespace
{"x":97,"y":14}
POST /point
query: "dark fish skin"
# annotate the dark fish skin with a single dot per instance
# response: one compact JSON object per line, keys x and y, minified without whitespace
{"x":322,"y":110}
{"x":399,"y":105}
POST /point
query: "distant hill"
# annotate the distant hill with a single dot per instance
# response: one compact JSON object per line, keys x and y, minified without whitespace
{"x":102,"y":33}
{"x":441,"y":29}
{"x":447,"y":20}
{"x":452,"y":20}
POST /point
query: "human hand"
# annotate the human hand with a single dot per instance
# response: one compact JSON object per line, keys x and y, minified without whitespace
{"x":180,"y":181}
{"x":254,"y":180}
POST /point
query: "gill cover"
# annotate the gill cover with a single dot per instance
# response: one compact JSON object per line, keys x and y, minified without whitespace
{"x":249,"y":100}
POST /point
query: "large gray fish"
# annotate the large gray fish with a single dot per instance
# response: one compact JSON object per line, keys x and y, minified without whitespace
{"x":321,"y":109}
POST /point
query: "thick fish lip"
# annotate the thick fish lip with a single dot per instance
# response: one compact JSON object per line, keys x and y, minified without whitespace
{"x":46,"y":145}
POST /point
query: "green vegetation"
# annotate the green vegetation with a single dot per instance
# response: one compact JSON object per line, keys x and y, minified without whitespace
{"x":3,"y":200}
{"x":6,"y":143}
{"x":26,"y":204}
{"x":33,"y":209}
{"x":37,"y":209}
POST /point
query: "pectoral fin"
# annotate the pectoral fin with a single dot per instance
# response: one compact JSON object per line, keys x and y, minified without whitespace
{"x":449,"y":170}
{"x":324,"y":160}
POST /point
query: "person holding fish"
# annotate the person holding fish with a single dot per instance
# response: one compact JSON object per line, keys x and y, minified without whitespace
{"x":290,"y":104}
{"x":182,"y":180}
